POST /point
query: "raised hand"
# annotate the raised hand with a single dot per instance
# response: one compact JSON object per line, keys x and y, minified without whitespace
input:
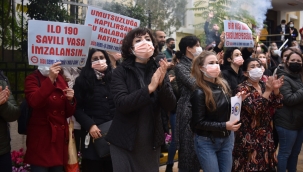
{"x":54,"y":70}
{"x":211,"y":15}
{"x":154,"y":81}
{"x":243,"y":95}
{"x":277,"y":83}
{"x":163,"y":69}
{"x":220,"y":56}
{"x":4,"y":95}
{"x":222,"y":37}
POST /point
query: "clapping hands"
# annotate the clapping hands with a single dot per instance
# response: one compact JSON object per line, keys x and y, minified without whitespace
{"x":158,"y":76}
{"x":274,"y":83}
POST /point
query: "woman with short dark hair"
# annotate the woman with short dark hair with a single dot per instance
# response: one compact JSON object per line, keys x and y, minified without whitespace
{"x":140,"y":89}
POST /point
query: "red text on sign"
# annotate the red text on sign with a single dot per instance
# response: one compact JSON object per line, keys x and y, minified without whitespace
{"x":53,"y":29}
{"x":71,"y":30}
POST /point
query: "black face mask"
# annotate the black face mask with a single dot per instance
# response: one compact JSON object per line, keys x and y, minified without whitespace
{"x":295,"y":67}
{"x":172,"y":46}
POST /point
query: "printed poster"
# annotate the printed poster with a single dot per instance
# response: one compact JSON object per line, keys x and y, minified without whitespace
{"x":237,"y":34}
{"x":109,"y":29}
{"x":49,"y":42}
{"x":236,"y":103}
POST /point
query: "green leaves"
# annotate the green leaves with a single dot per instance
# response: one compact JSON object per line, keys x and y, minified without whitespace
{"x":136,"y":12}
{"x":49,"y":10}
{"x":166,"y":15}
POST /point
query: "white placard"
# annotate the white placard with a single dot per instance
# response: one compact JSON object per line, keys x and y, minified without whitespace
{"x":49,"y":42}
{"x":109,"y":29}
{"x":237,"y":34}
{"x":235,"y":108}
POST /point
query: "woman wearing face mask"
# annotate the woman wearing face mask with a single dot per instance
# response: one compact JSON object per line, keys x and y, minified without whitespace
{"x":293,"y":31}
{"x":140,"y":88}
{"x":232,"y":72}
{"x":254,"y":146}
{"x":94,"y":107}
{"x":263,"y":59}
{"x":275,"y":59}
{"x":289,"y":120}
{"x":213,"y":132}
{"x":115,"y":58}
{"x":189,"y":49}
{"x":51,"y":100}
{"x":284,"y":55}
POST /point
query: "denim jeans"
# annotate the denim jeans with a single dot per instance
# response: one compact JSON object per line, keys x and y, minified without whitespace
{"x":172,"y":146}
{"x":35,"y":168}
{"x":215,"y":155}
{"x":290,"y":142}
{"x":6,"y":162}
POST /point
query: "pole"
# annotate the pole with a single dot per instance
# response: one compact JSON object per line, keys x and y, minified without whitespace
{"x":149,"y":19}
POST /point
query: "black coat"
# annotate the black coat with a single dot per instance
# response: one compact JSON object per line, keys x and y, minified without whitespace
{"x":211,"y":35}
{"x":132,"y":99}
{"x":210,"y":123}
{"x":290,"y":116}
{"x":279,"y":30}
{"x":92,"y":110}
{"x":233,"y":78}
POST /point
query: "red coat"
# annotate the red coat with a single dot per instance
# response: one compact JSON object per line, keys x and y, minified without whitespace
{"x":47,"y":132}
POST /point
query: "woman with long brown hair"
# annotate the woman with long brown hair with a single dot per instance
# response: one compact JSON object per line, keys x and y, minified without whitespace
{"x":213,"y":132}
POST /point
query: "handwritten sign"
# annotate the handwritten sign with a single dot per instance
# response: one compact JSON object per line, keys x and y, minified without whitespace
{"x":49,"y":42}
{"x":237,"y":34}
{"x":109,"y":29}
{"x":235,"y":108}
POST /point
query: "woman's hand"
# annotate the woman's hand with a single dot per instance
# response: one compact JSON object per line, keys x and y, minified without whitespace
{"x":222,"y":37}
{"x":243,"y":95}
{"x":274,"y":84}
{"x":154,"y":81}
{"x":171,"y":78}
{"x":163,"y":69}
{"x":4,"y":95}
{"x":232,"y":125}
{"x":277,"y":83}
{"x":95,"y":132}
{"x":69,"y":93}
{"x":54,"y":70}
{"x":220,"y":56}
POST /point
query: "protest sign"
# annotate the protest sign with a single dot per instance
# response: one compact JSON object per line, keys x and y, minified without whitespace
{"x":109,"y":29}
{"x":237,"y":34}
{"x":235,"y":108}
{"x":49,"y":42}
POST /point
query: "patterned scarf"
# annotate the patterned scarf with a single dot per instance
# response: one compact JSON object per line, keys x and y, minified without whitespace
{"x":99,"y":75}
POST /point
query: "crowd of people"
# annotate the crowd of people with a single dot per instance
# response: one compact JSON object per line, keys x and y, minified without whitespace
{"x":146,"y":92}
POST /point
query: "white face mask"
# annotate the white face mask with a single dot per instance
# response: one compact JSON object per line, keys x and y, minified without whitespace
{"x":199,"y":50}
{"x":44,"y":70}
{"x":291,"y":25}
{"x":255,"y":74}
{"x":214,"y":45}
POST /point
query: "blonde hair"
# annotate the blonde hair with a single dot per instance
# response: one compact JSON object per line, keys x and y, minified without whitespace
{"x":200,"y":82}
